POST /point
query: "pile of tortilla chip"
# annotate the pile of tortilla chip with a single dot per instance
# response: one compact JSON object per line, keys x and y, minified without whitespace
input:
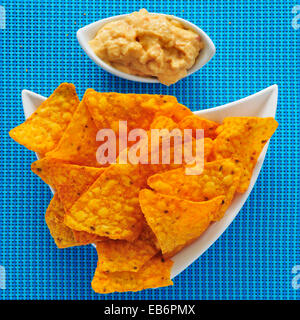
{"x":138,"y":215}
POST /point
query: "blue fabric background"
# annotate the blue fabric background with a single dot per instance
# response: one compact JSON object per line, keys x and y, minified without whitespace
{"x":256,"y":47}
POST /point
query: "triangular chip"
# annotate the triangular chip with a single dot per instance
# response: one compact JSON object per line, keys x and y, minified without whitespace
{"x":110,"y":207}
{"x":78,"y":144}
{"x":177,"y":222}
{"x":42,"y":131}
{"x":243,"y":138}
{"x":161,"y":123}
{"x":121,"y":255}
{"x":194,"y":122}
{"x":70,"y":182}
{"x":219,"y":178}
{"x":43,"y":168}
{"x":62,"y":235}
{"x":153,"y":274}
{"x":139,"y":110}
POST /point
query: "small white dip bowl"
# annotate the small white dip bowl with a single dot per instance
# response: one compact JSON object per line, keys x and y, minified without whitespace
{"x":87,"y":33}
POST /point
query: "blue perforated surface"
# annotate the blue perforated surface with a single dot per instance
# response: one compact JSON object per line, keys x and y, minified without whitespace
{"x":256,"y":47}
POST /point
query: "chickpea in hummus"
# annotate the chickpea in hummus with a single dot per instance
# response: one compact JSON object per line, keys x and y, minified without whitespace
{"x":148,"y":45}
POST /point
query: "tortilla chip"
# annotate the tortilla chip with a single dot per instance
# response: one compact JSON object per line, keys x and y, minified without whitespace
{"x":78,"y":144}
{"x":219,"y":178}
{"x":110,"y":207}
{"x":86,"y":238}
{"x":43,"y":168}
{"x":163,"y":122}
{"x":208,"y":147}
{"x":42,"y":131}
{"x":121,"y":255}
{"x":243,"y":138}
{"x":177,"y":222}
{"x":139,"y":110}
{"x":70,"y":182}
{"x":62,"y":235}
{"x":153,"y":274}
{"x":194,"y":122}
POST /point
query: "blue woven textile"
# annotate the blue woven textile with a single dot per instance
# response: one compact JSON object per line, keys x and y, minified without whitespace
{"x":256,"y":47}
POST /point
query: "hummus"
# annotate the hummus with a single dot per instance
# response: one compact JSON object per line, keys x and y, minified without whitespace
{"x":144,"y":44}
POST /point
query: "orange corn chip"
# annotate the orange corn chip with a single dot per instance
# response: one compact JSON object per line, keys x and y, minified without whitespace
{"x":78,"y":144}
{"x":163,"y":122}
{"x":139,"y":110}
{"x":70,"y":182}
{"x":110,"y":207}
{"x":194,"y":122}
{"x":121,"y":255}
{"x":43,"y":168}
{"x":86,"y":238}
{"x":219,"y":178}
{"x":243,"y":138}
{"x":62,"y":235}
{"x":42,"y":131}
{"x":177,"y":222}
{"x":153,"y":274}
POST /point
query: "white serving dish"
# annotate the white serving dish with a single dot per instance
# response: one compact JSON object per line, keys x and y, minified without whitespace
{"x":260,"y":104}
{"x":87,"y":33}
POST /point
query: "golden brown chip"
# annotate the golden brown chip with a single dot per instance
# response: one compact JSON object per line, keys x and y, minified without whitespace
{"x":177,"y":222}
{"x":163,"y":122}
{"x":194,"y":122}
{"x":110,"y":207}
{"x":78,"y":144}
{"x":243,"y":138}
{"x":139,"y":110}
{"x":42,"y":131}
{"x":121,"y":255}
{"x":86,"y":238}
{"x":153,"y":274}
{"x":43,"y":168}
{"x":62,"y":235}
{"x":219,"y":178}
{"x":70,"y":182}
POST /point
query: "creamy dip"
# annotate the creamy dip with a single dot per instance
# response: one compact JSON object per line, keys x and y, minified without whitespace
{"x":144,"y":44}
